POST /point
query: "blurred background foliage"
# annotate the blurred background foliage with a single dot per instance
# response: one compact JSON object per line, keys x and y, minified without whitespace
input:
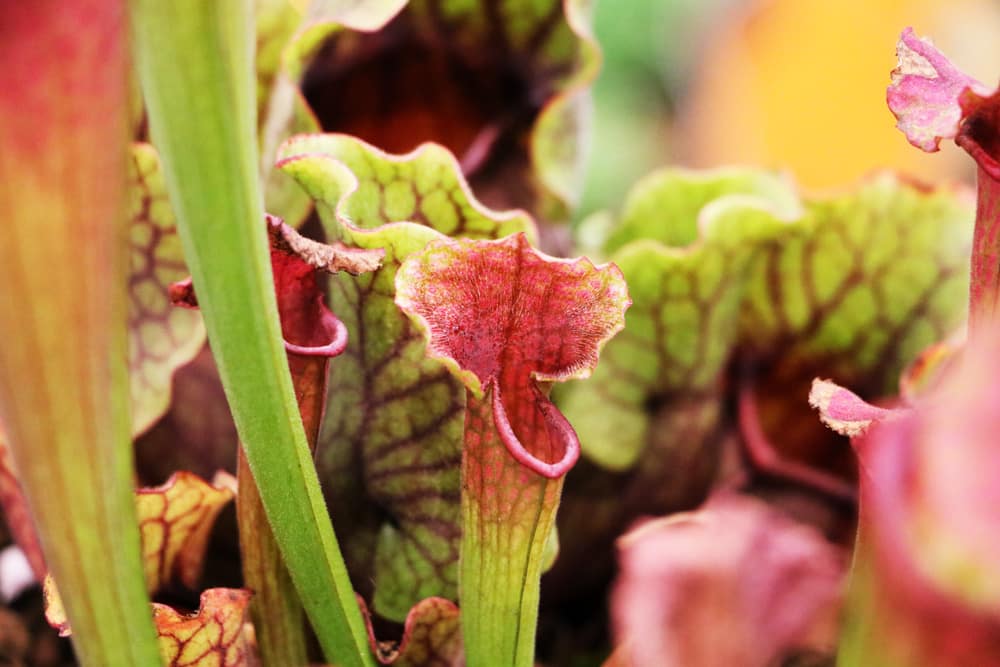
{"x":790,"y":84}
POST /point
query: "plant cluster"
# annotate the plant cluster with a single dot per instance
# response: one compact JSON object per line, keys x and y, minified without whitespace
{"x":450,"y":438}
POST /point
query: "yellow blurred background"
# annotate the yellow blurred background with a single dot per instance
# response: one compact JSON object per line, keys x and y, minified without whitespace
{"x":790,"y":84}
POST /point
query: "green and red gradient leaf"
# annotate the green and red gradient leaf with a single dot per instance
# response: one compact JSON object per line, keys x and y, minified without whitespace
{"x":390,"y":449}
{"x":508,"y":321}
{"x":213,"y":637}
{"x":64,"y":395}
{"x":161,"y":338}
{"x":513,"y":113}
{"x":431,"y":637}
{"x":734,"y":583}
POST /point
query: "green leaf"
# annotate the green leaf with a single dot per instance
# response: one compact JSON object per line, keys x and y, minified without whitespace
{"x":161,"y":338}
{"x":508,"y":321}
{"x":685,"y":245}
{"x":394,"y":417}
{"x":876,"y":276}
{"x":853,"y":288}
{"x":195,"y":64}
{"x":63,"y":311}
{"x":280,"y":111}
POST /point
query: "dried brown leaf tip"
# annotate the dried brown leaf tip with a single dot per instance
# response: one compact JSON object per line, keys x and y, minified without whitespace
{"x":214,"y":637}
{"x":844,"y":411}
{"x":308,"y":326}
{"x":332,"y":258}
{"x":55,"y":613}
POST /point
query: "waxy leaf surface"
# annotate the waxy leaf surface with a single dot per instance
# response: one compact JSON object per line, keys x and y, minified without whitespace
{"x":503,"y":318}
{"x":161,"y":338}
{"x":390,"y":448}
{"x":214,"y":637}
{"x":513,"y":113}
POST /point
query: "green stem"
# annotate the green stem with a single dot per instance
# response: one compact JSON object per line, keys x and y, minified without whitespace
{"x":508,"y":513}
{"x":275,"y":608}
{"x":64,"y":390}
{"x":195,"y":64}
{"x":859,"y":632}
{"x":984,"y":283}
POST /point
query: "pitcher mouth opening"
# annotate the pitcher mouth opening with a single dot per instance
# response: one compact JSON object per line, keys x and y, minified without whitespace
{"x":404,"y":86}
{"x":980,"y":134}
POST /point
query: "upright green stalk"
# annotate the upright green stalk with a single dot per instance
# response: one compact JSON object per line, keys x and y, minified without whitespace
{"x":500,"y":316}
{"x":195,"y":63}
{"x":508,"y":512}
{"x":275,"y":608}
{"x":64,"y":392}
